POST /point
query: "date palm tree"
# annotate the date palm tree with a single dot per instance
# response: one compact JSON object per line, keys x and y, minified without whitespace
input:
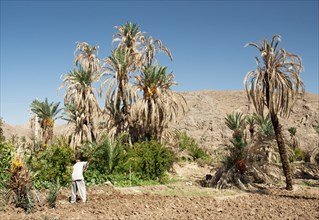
{"x":47,"y":114}
{"x":79,"y":99}
{"x":159,"y":107}
{"x":251,"y":122}
{"x":81,"y":105}
{"x":275,"y":85}
{"x":120,"y":93}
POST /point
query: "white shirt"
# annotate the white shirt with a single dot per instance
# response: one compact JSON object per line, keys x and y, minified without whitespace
{"x":78,"y":169}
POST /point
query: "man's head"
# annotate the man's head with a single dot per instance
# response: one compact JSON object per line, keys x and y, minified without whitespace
{"x":78,"y":157}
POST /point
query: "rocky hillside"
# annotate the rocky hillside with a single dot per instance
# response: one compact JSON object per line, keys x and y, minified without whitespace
{"x":204,"y":118}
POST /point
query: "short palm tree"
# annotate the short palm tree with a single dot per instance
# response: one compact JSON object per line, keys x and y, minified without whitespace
{"x":235,"y":121}
{"x":159,"y":106}
{"x":275,"y":85}
{"x":47,"y":114}
{"x":251,"y":122}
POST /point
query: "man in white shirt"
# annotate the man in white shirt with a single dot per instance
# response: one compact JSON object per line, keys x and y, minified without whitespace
{"x":78,"y":184}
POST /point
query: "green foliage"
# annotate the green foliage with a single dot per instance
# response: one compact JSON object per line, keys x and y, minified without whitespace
{"x":188,"y":143}
{"x":6,"y":154}
{"x":25,"y":201}
{"x":53,"y":194}
{"x":105,"y":156}
{"x":298,"y":155}
{"x":149,"y":160}
{"x":235,"y":121}
{"x":51,"y":164}
{"x":265,"y":125}
{"x":94,"y":177}
{"x":292,"y":130}
{"x":2,"y":137}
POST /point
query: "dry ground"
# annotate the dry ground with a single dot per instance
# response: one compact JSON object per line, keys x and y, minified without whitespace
{"x":182,"y":199}
{"x":180,"y":202}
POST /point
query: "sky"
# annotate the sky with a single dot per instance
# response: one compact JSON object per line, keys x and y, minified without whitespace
{"x":206,"y":38}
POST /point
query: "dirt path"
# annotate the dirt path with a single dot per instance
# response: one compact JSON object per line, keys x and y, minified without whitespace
{"x":179,"y":202}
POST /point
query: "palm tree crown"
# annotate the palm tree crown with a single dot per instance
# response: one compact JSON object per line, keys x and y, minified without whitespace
{"x":47,"y":114}
{"x":275,"y":83}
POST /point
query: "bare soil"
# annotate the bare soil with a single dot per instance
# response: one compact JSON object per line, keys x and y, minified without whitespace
{"x":188,"y":202}
{"x":184,"y":198}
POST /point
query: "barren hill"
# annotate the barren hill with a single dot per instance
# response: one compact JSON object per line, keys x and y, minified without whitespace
{"x":204,"y":118}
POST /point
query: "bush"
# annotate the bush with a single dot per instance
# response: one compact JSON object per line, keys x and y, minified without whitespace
{"x":188,"y":143}
{"x":51,"y":164}
{"x":6,"y":151}
{"x":298,"y":155}
{"x":149,"y":160}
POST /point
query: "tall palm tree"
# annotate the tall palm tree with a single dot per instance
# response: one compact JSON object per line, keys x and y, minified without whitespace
{"x":81,"y":105}
{"x":79,"y":98}
{"x":47,"y":114}
{"x":275,"y":85}
{"x":120,"y":92}
{"x":159,"y":106}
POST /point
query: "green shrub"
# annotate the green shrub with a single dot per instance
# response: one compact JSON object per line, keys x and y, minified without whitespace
{"x":149,"y":160}
{"x":298,"y":155}
{"x":94,"y":177}
{"x":6,"y":153}
{"x":188,"y":143}
{"x":49,"y":165}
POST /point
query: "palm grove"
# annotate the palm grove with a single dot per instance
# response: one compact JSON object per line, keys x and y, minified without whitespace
{"x":133,"y":127}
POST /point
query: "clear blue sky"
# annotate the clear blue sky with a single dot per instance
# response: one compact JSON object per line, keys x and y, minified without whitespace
{"x":206,"y":38}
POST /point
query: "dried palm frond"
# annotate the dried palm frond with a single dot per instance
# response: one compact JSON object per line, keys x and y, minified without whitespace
{"x":275,"y":83}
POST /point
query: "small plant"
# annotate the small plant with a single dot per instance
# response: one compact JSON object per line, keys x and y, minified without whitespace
{"x":292,"y":131}
{"x":20,"y":184}
{"x":53,"y":194}
{"x":298,"y":155}
{"x":188,"y":143}
{"x":265,"y":126}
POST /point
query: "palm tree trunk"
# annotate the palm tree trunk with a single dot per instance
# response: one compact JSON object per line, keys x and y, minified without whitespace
{"x":282,"y":151}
